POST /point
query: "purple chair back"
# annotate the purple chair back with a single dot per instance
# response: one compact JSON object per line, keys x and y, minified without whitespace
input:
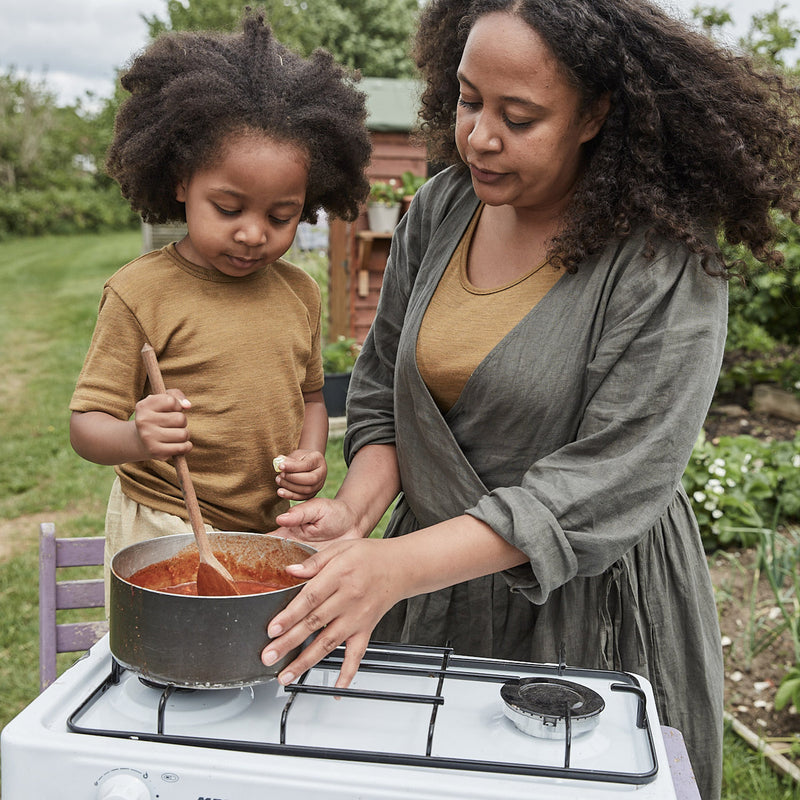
{"x":66,"y":637}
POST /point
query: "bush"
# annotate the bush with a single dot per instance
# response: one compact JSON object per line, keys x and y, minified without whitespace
{"x":770,"y":299}
{"x":64,"y":211}
{"x":740,"y":484}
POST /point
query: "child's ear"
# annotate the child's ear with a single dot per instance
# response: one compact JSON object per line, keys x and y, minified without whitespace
{"x":180,"y":192}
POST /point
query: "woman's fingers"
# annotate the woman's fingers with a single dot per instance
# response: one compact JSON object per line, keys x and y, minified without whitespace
{"x":354,"y":650}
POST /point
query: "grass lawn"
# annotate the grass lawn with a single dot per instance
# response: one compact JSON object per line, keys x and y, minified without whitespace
{"x":51,"y":289}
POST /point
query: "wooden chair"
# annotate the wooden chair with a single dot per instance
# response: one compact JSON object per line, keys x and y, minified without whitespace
{"x":66,"y":637}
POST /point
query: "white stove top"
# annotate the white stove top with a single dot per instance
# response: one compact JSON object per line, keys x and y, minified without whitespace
{"x":436,"y":730}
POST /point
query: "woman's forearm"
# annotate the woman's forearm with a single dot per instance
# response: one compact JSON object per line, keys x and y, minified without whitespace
{"x":371,"y":484}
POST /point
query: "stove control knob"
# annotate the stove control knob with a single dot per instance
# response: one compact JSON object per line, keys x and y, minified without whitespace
{"x":123,"y":786}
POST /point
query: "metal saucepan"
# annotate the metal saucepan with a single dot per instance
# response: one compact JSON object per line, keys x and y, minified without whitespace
{"x":201,"y":642}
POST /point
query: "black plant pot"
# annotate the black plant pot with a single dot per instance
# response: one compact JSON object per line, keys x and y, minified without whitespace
{"x":335,"y":393}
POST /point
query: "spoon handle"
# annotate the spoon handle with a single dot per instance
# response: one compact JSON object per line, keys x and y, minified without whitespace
{"x":181,"y":467}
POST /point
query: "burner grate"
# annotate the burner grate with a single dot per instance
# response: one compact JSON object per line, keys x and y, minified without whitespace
{"x":393,"y":659}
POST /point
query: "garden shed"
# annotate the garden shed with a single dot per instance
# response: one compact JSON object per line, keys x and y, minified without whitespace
{"x":357,"y":256}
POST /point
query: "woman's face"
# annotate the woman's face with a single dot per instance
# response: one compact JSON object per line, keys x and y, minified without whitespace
{"x":518,"y":125}
{"x":242,"y":212}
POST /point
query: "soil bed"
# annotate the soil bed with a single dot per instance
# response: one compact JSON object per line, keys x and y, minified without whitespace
{"x":747,"y":611}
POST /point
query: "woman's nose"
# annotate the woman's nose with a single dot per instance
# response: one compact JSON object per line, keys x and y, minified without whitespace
{"x":484,"y":135}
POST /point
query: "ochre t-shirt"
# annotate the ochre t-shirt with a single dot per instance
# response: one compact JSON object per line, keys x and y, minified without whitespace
{"x":464,"y":323}
{"x":243,"y":350}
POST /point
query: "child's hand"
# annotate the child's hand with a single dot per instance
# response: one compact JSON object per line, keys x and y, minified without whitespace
{"x":301,"y":474}
{"x":161,"y":425}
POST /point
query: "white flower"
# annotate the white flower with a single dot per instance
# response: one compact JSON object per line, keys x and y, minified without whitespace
{"x":796,"y":460}
{"x":698,"y":497}
{"x":730,"y":483}
{"x":716,"y":513}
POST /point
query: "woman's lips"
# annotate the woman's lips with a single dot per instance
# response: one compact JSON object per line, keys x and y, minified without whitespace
{"x":485,"y":176}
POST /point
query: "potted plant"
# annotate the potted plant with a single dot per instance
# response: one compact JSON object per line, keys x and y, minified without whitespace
{"x":409,"y":184}
{"x":338,"y":358}
{"x":383,"y":205}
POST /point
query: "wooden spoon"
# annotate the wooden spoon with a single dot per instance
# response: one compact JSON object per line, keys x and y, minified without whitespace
{"x":212,"y":577}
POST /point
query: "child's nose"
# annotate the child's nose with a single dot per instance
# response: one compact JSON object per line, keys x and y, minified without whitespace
{"x":251,"y":232}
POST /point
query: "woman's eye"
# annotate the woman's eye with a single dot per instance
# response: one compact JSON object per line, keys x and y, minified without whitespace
{"x":468,"y":103}
{"x":518,"y":125}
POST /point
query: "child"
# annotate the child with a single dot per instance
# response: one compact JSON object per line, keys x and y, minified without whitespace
{"x":241,"y":139}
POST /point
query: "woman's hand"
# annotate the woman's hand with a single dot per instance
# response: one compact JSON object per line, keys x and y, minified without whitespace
{"x":351,"y":585}
{"x":162,"y":426}
{"x":301,"y":474}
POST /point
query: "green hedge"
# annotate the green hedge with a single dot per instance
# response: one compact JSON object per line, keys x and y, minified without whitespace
{"x":63,"y":211}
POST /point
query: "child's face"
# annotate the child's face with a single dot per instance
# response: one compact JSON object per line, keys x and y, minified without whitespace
{"x":242,"y":212}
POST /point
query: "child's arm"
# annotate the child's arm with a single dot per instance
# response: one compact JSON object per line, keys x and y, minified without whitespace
{"x":158,"y":431}
{"x":302,"y":473}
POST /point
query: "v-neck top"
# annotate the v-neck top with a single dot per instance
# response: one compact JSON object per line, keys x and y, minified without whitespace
{"x":464,"y":323}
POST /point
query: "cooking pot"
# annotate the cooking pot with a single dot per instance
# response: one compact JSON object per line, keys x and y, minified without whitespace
{"x":201,"y":642}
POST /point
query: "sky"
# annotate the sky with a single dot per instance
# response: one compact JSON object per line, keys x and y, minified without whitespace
{"x":75,"y":46}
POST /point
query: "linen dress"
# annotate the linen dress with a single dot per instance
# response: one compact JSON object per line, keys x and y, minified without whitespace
{"x":569,"y":440}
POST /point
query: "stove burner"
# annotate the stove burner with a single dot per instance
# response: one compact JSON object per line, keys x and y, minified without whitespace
{"x":551,"y":708}
{"x":150,"y":684}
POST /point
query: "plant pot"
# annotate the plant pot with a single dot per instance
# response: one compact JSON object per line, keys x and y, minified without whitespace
{"x":382,"y":218}
{"x":335,"y":393}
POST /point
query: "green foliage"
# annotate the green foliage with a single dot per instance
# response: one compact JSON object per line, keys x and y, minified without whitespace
{"x":32,"y":212}
{"x":387,"y":193}
{"x":789,"y":691}
{"x":372,"y":36}
{"x":769,"y":299}
{"x":739,"y":485}
{"x":340,"y":356}
{"x":783,"y":371}
{"x":411,"y":183}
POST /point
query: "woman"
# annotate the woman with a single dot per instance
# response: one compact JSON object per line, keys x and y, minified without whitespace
{"x":546,"y":347}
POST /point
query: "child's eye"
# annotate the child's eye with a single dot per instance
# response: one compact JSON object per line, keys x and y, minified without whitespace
{"x":226,"y":211}
{"x":467,"y":103}
{"x":279,"y":221}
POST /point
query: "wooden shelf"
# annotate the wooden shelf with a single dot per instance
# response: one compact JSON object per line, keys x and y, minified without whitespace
{"x":365,"y":240}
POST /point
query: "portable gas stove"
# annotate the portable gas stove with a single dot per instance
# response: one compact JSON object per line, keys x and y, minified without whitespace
{"x":417,"y":722}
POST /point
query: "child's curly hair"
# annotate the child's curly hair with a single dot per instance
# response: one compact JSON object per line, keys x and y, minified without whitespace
{"x":696,"y":135}
{"x":191,"y":91}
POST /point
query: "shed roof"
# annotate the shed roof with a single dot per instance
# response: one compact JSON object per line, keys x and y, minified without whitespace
{"x":391,"y":103}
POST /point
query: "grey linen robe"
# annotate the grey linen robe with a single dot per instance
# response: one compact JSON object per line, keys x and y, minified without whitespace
{"x":569,"y":440}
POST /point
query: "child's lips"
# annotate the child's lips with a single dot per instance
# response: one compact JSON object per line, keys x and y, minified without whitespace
{"x":244,"y":263}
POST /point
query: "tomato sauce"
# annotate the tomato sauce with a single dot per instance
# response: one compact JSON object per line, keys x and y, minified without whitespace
{"x":178,"y":575}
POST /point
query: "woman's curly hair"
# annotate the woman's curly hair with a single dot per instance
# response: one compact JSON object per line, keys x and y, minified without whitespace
{"x":191,"y":91}
{"x":696,"y":135}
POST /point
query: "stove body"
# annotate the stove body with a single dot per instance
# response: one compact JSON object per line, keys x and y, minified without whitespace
{"x":416,"y":722}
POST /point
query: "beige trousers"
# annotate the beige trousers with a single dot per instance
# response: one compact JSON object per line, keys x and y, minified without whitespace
{"x":128,"y":522}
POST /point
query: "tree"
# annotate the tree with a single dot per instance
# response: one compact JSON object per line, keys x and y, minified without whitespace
{"x":769,"y":37}
{"x":372,"y":36}
{"x":39,"y":142}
